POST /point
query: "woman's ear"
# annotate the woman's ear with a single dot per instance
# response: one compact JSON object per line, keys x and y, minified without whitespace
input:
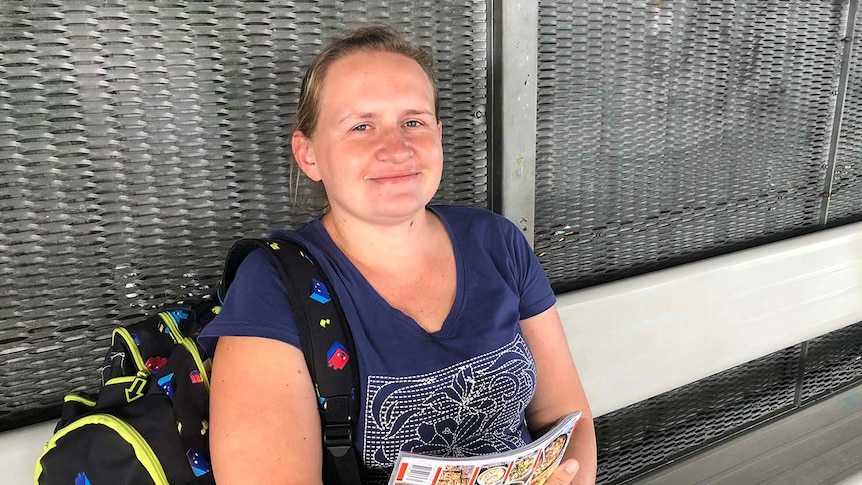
{"x":303,"y":153}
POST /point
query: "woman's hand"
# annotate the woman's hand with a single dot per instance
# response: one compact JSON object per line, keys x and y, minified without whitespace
{"x":565,"y":473}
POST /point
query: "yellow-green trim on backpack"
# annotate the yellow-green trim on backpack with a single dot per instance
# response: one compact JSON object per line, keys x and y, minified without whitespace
{"x":143,"y":451}
{"x":130,"y":343}
{"x":189,"y":344}
{"x":192,"y":347}
{"x":141,"y":375}
{"x":80,"y":399}
{"x":136,"y":385}
{"x":172,"y":325}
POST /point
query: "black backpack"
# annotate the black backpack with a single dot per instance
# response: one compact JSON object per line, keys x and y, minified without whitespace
{"x":148,"y":424}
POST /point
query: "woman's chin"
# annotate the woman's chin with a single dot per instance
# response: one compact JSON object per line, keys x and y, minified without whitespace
{"x":396,"y":212}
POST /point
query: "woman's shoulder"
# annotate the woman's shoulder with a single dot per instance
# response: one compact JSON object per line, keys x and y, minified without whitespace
{"x":476,"y":221}
{"x":258,"y":268}
{"x":304,"y":233}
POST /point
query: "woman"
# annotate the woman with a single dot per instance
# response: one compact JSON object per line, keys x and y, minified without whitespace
{"x":460,"y":348}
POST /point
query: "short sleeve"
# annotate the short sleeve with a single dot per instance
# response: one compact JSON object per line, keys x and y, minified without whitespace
{"x":256,"y":305}
{"x":534,"y":289}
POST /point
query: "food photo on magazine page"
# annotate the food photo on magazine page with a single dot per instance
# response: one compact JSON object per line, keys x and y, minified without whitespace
{"x":531,"y":464}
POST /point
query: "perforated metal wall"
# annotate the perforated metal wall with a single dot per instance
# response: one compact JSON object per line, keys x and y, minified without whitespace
{"x":139,"y":138}
{"x":832,"y":362}
{"x":639,"y":438}
{"x":845,"y":204}
{"x":674,"y":130}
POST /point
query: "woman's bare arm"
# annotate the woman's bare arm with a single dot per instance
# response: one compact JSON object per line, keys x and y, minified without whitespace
{"x":559,"y":392}
{"x":264,"y":422}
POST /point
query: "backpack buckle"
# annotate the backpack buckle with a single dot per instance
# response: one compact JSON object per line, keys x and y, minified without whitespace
{"x":338,"y":435}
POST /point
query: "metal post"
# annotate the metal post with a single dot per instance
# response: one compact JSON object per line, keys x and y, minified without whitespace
{"x":517,"y":36}
{"x":839,"y":109}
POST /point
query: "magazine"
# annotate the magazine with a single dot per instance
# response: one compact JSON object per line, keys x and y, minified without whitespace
{"x":532,"y":464}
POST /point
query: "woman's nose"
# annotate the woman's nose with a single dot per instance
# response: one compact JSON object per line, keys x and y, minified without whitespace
{"x":395,"y":146}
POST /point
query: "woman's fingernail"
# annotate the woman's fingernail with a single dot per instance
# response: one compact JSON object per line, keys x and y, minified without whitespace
{"x":571,"y":467}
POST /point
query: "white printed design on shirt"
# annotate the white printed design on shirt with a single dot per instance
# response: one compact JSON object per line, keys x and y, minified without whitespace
{"x":474,"y":407}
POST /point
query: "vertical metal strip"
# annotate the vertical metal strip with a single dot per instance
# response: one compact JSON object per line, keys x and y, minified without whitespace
{"x":519,"y":32}
{"x":800,"y":377}
{"x":494,"y":105}
{"x":839,"y":109}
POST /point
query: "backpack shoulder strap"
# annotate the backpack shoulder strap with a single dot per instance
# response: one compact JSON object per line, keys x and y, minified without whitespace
{"x":326,"y":343}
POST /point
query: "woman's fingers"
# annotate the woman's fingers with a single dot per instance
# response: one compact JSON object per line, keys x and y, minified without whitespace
{"x":565,"y":473}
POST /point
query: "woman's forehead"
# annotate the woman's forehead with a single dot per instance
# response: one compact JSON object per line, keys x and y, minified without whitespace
{"x":371,"y":66}
{"x":366,"y":75}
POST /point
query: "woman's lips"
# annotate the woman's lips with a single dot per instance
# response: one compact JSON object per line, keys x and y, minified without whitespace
{"x":394,"y":178}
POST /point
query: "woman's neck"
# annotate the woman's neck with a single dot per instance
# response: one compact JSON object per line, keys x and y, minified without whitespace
{"x":383,"y":247}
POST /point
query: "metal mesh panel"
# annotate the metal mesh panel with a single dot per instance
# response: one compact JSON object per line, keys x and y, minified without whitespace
{"x":845,"y":203}
{"x":833,"y":361}
{"x":636,"y":439}
{"x":139,"y":138}
{"x":669,"y":131}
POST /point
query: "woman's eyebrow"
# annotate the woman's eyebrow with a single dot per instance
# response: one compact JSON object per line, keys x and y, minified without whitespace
{"x":357,"y":116}
{"x":370,"y":115}
{"x":414,"y":112}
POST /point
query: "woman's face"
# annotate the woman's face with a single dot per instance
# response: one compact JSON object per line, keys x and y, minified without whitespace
{"x":377,"y":145}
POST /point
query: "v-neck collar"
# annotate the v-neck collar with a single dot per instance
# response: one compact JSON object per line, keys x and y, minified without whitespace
{"x":449,"y":323}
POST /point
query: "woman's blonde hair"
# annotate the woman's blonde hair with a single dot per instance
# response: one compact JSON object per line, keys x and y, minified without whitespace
{"x":370,"y":38}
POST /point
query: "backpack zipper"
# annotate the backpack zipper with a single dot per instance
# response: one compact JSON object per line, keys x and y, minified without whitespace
{"x":189,"y":344}
{"x":131,"y":345}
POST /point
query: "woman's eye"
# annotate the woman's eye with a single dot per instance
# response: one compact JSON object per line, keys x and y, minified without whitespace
{"x":362,"y":127}
{"x":413,"y":123}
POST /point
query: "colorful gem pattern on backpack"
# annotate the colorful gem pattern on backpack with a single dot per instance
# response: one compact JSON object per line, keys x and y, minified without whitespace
{"x":178,"y":315}
{"x":337,"y":356}
{"x":167,"y":331}
{"x":81,"y":479}
{"x":156,"y":363}
{"x":167,"y":384}
{"x":319,"y":293}
{"x":198,"y":463}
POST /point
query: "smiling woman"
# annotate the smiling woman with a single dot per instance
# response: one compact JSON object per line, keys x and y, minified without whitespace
{"x":377,"y":145}
{"x":460,"y":348}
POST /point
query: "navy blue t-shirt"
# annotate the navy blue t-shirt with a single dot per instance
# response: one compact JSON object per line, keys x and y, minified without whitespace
{"x":460,"y":391}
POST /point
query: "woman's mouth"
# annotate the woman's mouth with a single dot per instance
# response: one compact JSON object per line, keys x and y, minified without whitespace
{"x":394,"y":178}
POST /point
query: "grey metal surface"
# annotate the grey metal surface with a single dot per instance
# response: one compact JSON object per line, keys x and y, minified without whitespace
{"x":517,"y":160}
{"x":832,"y":362}
{"x":139,"y":138}
{"x":658,"y":435}
{"x":846,"y":36}
{"x":650,"y":434}
{"x":672,"y":130}
{"x":846,"y":189}
{"x":817,"y":445}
